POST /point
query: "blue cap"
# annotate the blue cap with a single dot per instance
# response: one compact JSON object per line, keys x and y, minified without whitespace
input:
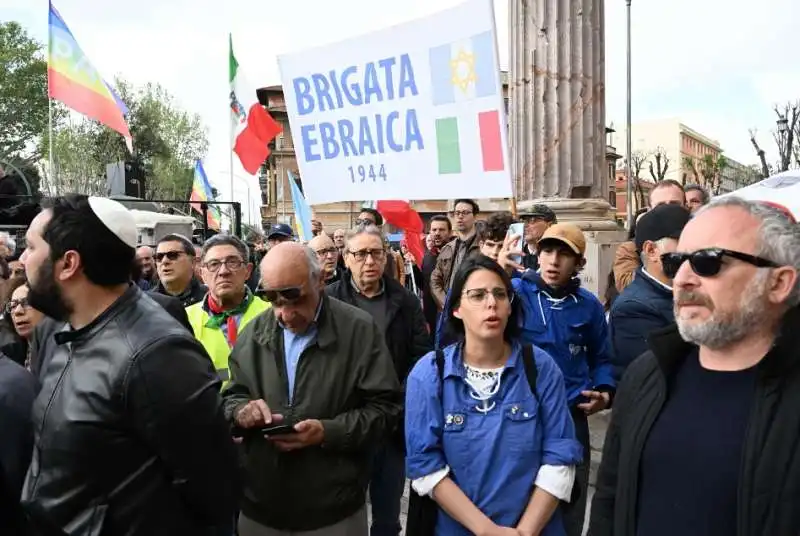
{"x":280,"y":229}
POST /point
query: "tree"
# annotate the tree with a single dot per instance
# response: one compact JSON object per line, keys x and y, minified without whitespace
{"x":23,"y":98}
{"x":638,"y":158}
{"x":166,"y":139}
{"x":689,"y":170}
{"x":711,"y":168}
{"x":659,"y":171}
{"x":787,"y":140}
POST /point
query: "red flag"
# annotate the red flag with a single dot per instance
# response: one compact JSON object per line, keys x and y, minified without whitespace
{"x":251,"y":143}
{"x":401,"y":215}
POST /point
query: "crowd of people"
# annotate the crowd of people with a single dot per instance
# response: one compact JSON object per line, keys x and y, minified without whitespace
{"x":270,"y":387}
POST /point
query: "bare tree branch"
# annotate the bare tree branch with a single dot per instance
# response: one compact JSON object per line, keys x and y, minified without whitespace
{"x":760,"y":152}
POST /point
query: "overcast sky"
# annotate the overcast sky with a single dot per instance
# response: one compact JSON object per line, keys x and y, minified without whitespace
{"x":717,"y":65}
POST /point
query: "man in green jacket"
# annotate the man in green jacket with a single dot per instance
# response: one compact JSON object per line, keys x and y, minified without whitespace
{"x":321,"y":367}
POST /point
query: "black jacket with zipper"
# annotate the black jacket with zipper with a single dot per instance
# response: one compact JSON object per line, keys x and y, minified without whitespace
{"x":769,"y":476}
{"x":130,"y":439}
{"x":344,"y":378}
{"x":406,"y":336}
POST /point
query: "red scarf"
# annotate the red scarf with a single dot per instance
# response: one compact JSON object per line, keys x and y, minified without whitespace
{"x":216,"y":309}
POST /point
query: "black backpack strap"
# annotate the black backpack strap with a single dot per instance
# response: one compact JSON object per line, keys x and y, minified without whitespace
{"x":531,"y":370}
{"x":440,"y":368}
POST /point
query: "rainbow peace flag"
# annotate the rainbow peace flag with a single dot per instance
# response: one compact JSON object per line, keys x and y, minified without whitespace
{"x":73,"y":80}
{"x":201,"y":191}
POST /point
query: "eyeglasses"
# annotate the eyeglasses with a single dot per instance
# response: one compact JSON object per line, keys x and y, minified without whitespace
{"x":361,"y":254}
{"x":171,"y":255}
{"x":364,"y":221}
{"x":462,"y":213}
{"x":231,"y":264}
{"x":287,"y":295}
{"x":478,"y":296}
{"x":708,"y":262}
{"x":13,"y":304}
{"x":325,"y":252}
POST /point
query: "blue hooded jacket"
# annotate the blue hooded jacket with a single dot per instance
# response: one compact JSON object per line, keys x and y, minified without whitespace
{"x":570,"y":325}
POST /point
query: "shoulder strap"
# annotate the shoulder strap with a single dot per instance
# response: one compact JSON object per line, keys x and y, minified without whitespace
{"x":531,"y":370}
{"x":440,"y":369}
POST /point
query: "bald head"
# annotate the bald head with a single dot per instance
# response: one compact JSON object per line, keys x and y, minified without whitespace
{"x":144,"y":256}
{"x":290,"y":277}
{"x":289,"y":264}
{"x":320,"y":242}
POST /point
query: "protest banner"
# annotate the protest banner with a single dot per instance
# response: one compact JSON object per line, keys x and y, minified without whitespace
{"x":411,"y":112}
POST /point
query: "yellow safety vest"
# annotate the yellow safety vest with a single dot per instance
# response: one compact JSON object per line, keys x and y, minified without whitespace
{"x":213,"y":339}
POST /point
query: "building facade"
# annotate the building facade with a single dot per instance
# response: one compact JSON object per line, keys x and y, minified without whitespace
{"x":684,"y":147}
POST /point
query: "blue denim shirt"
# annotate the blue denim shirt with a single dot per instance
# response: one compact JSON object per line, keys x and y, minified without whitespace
{"x":493,"y":457}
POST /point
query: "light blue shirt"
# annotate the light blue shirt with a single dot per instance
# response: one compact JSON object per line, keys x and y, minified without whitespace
{"x":294,"y":344}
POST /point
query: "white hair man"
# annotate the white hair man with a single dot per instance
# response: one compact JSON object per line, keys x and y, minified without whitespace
{"x":703,"y":438}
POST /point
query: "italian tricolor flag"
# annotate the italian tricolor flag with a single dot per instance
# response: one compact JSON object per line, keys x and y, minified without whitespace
{"x":252,"y":126}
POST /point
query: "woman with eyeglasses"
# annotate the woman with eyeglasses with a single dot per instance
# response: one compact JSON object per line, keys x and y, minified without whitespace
{"x":489,"y":438}
{"x":21,"y":318}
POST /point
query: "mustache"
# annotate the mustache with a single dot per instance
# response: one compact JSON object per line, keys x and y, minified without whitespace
{"x":689,"y":297}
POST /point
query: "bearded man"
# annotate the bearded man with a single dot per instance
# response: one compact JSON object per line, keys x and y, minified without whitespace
{"x":129,"y":433}
{"x":705,"y":431}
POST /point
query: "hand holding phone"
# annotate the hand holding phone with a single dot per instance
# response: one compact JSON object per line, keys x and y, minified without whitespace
{"x":517,"y":229}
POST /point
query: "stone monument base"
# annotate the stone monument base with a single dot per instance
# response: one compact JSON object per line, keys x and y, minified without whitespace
{"x":596,"y":218}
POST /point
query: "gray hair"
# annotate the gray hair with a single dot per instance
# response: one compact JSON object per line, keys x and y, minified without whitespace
{"x":698,"y":188}
{"x":226,"y":240}
{"x":660,"y":244}
{"x":10,"y":242}
{"x":314,"y":267}
{"x":778,"y":237}
{"x":372,"y":230}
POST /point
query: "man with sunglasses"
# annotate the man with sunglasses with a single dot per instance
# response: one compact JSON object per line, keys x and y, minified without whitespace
{"x":645,"y":305}
{"x":704,"y":435}
{"x":175,"y":262}
{"x":229,"y":304}
{"x":319,"y":368}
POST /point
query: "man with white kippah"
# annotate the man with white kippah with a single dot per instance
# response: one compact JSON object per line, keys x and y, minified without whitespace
{"x":128,"y":416}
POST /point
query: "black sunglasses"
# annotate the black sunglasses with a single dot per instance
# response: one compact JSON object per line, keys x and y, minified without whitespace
{"x":708,"y":262}
{"x":171,"y":255}
{"x":284,"y":295}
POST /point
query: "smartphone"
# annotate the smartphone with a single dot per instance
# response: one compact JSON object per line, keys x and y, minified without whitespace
{"x":517,"y":229}
{"x":278,"y":429}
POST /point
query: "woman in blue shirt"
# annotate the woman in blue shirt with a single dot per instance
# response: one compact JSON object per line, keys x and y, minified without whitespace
{"x":495,"y":456}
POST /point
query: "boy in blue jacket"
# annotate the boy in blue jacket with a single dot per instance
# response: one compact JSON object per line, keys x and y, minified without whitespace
{"x":568,"y":322}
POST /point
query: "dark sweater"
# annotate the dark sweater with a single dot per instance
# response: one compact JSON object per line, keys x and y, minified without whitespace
{"x":690,"y":465}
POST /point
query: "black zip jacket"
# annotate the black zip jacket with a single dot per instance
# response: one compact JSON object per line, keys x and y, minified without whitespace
{"x":769,"y":479}
{"x":130,"y":439}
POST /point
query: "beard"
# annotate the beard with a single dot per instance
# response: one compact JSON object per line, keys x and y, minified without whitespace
{"x":45,"y":295}
{"x":723,"y":328}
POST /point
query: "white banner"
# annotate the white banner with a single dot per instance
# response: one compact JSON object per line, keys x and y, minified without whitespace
{"x":412,"y":112}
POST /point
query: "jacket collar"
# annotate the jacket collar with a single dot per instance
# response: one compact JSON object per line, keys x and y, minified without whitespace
{"x":67,"y":334}
{"x":652,"y":282}
{"x":390,"y":287}
{"x":670,"y":349}
{"x":273,"y":332}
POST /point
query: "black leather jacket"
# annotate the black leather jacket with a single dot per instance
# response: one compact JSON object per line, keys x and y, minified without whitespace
{"x":129,"y":432}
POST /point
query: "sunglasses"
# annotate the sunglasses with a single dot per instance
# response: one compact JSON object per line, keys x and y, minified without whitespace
{"x":286,"y":295}
{"x":171,"y":255}
{"x":708,"y":262}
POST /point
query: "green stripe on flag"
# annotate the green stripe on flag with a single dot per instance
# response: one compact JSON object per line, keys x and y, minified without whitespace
{"x":447,"y":147}
{"x":233,"y":65}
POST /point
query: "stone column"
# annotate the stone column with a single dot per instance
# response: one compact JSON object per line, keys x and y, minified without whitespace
{"x":557,"y":119}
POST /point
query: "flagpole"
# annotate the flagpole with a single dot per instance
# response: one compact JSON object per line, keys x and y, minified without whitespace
{"x":50,"y":143}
